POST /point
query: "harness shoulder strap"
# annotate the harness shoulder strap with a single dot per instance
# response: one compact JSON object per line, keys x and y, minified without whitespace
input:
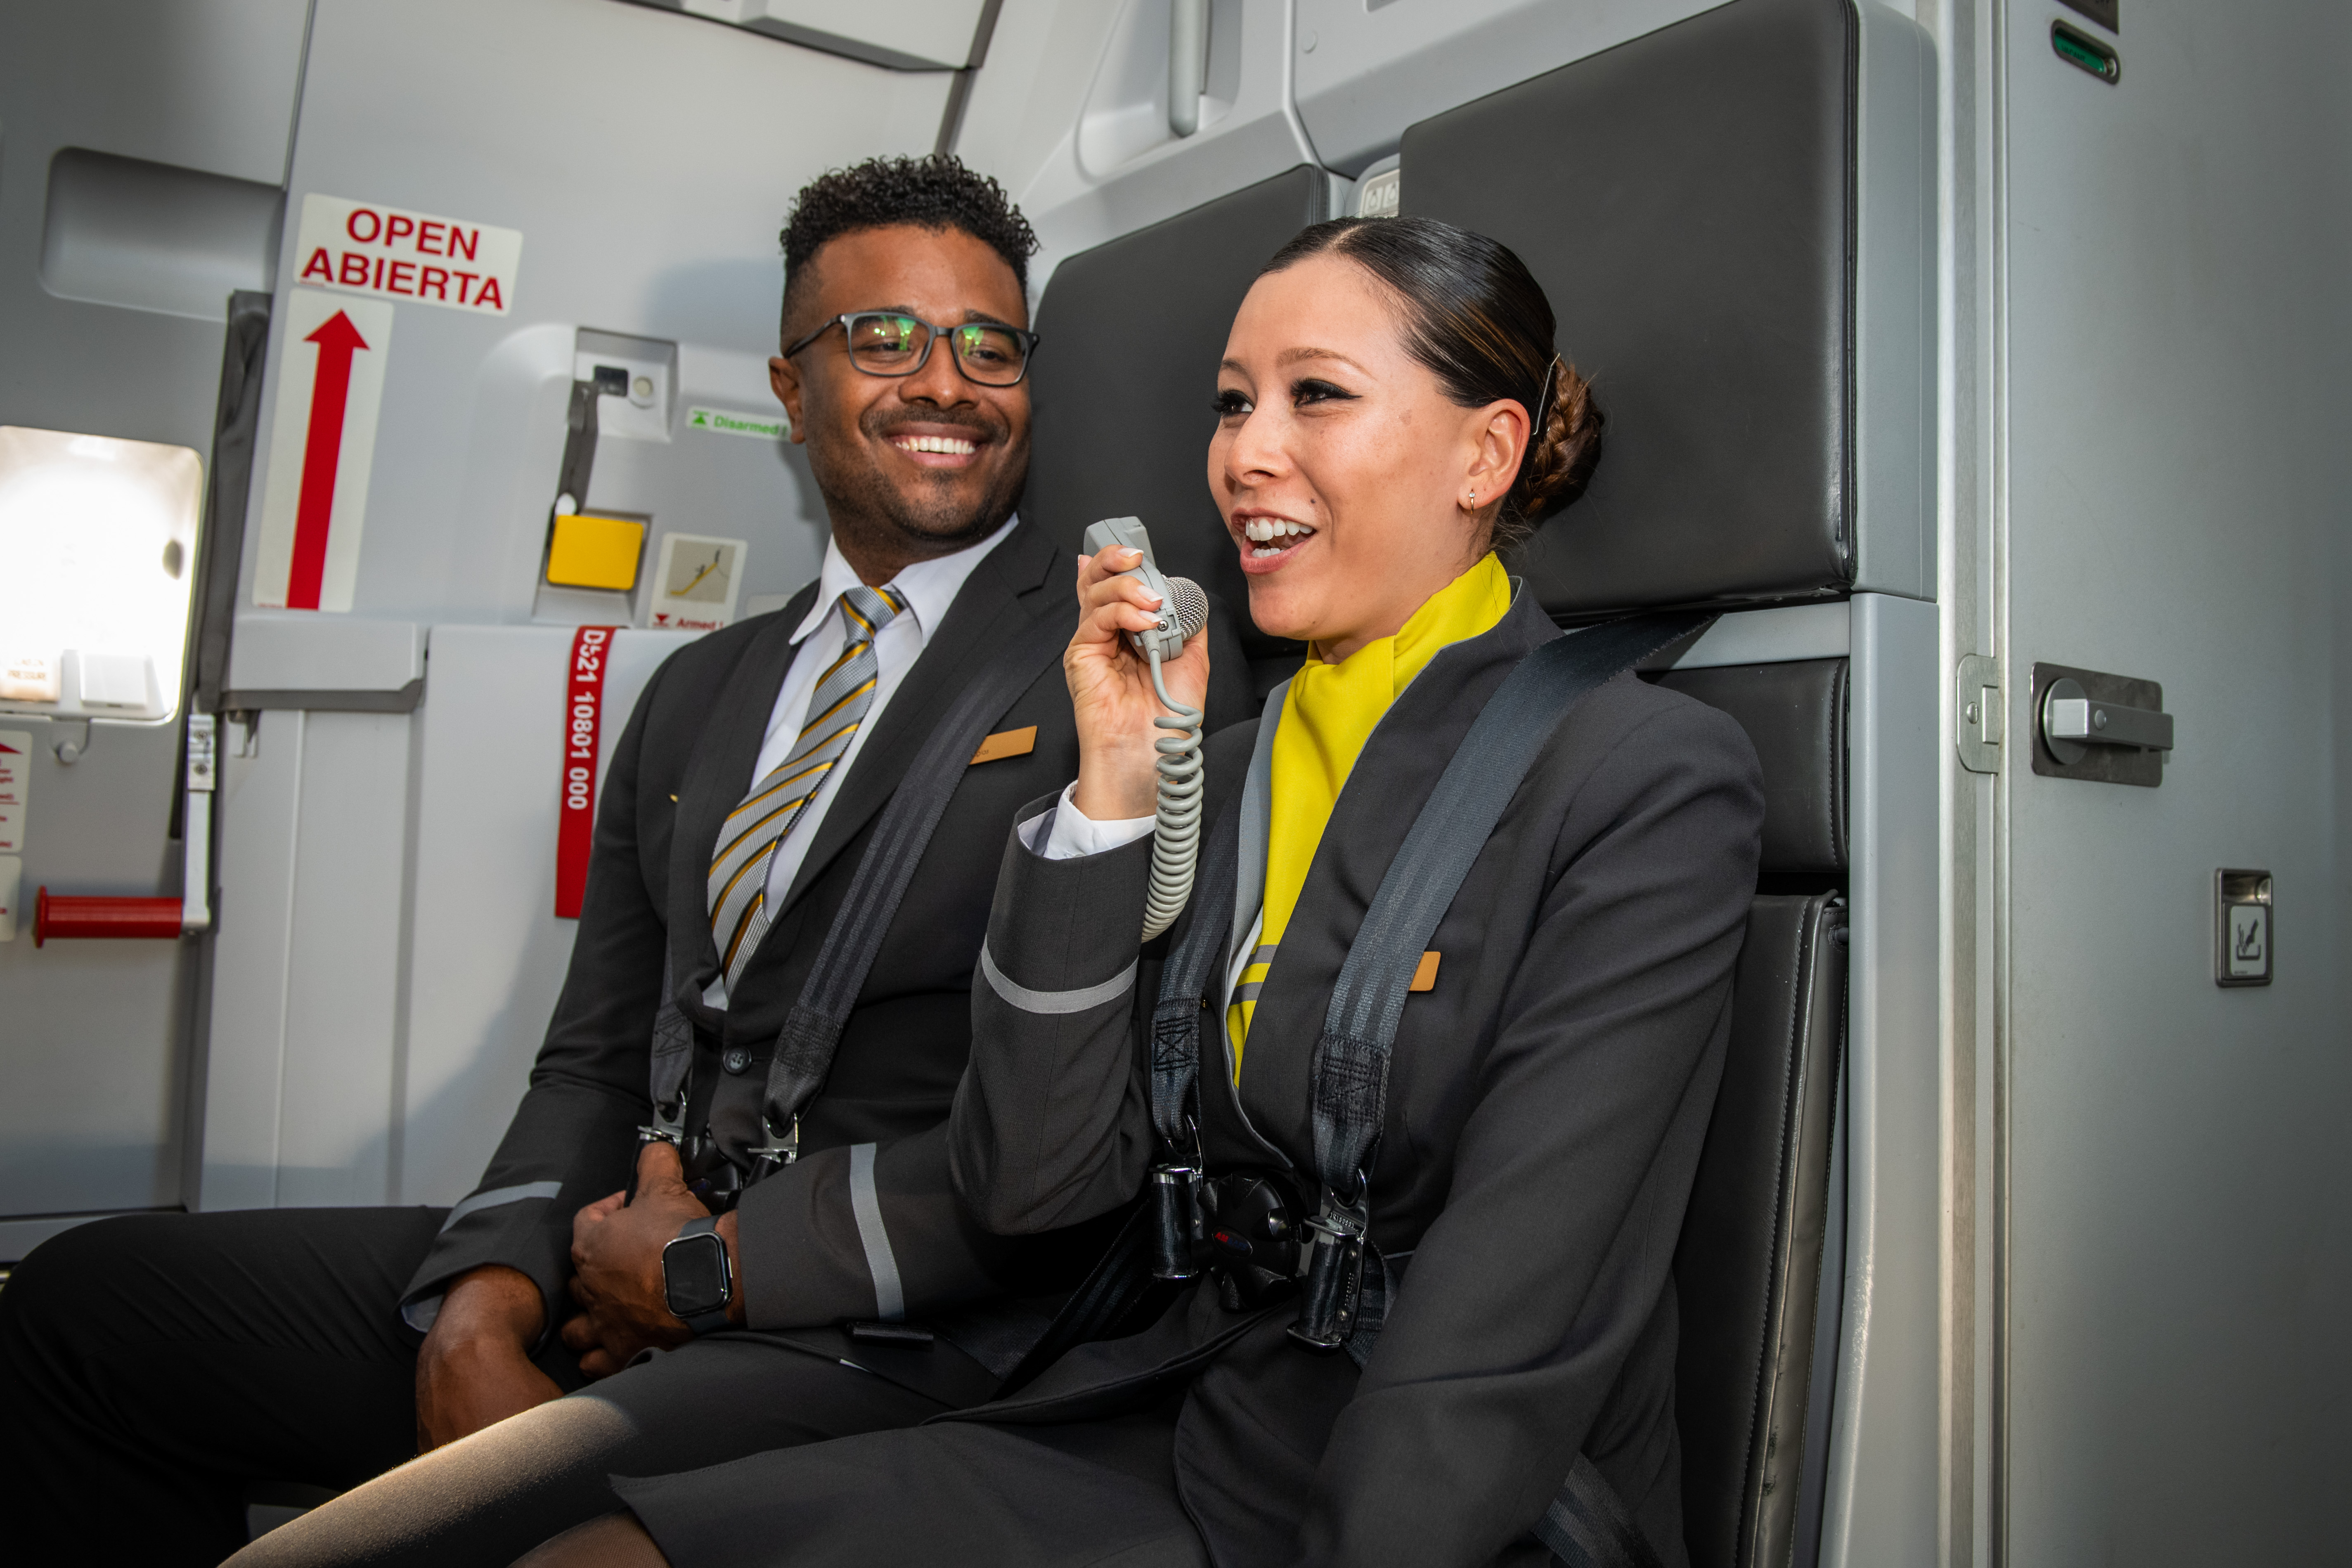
{"x":1360,"y":1024}
{"x":812,"y":1030}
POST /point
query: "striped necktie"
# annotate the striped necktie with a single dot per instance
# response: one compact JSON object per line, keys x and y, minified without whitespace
{"x":737,"y":885}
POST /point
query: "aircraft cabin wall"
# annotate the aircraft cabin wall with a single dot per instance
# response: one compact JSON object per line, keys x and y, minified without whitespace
{"x":2086,"y":1224}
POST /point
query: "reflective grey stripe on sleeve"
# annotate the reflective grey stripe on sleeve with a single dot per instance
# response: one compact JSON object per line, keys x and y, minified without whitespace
{"x":497,"y":1196}
{"x":1077,"y":1001}
{"x":889,"y":1295}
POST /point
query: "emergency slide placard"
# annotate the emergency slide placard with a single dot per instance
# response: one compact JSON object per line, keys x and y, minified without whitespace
{"x":371,"y":248}
{"x":330,"y":390}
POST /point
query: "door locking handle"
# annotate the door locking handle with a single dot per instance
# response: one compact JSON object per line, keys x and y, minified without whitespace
{"x":2073,"y":722}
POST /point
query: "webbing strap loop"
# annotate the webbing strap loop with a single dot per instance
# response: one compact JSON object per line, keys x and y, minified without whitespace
{"x":1185,"y":996}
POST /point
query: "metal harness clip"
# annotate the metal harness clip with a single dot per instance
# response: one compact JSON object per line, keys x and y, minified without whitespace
{"x":1335,"y":1273}
{"x":775,"y":1153}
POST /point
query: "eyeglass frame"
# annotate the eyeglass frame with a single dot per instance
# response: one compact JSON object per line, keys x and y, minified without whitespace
{"x":1029,"y":342}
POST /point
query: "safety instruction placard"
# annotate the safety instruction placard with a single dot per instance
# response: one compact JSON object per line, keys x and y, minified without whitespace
{"x":16,"y":787}
{"x":371,"y":248}
{"x":697,"y":582}
{"x":331,"y":360}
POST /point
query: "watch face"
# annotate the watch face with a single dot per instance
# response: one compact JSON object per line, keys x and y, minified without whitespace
{"x":694,"y":1275}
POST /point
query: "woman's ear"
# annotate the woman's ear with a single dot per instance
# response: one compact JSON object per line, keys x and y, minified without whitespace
{"x":1498,"y":435}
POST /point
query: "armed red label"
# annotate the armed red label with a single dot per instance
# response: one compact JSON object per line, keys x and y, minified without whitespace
{"x":584,"y":728}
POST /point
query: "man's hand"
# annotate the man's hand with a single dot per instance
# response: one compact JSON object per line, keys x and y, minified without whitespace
{"x":616,"y":1246}
{"x":475,"y":1367}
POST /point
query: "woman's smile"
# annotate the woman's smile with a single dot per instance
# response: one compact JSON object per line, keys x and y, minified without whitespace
{"x":1268,"y":541}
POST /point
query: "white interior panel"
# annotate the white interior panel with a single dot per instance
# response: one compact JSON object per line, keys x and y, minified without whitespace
{"x":488,"y":952}
{"x":260,"y":815}
{"x":335,"y":1101}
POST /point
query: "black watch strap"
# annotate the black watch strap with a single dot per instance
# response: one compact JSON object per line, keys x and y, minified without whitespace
{"x":714,"y":1317}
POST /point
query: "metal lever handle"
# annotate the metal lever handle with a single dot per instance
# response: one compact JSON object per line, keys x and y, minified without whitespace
{"x":2071,"y":720}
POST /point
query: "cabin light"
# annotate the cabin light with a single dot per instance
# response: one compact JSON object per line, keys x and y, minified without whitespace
{"x":96,"y":534}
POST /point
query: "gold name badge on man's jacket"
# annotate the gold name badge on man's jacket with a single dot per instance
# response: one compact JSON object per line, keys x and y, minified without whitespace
{"x":1006,"y":744}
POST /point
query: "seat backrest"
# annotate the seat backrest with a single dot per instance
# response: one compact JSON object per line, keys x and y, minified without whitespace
{"x":1752,"y":1267}
{"x":1127,"y":372}
{"x":1748,"y":1269}
{"x":1795,"y":715}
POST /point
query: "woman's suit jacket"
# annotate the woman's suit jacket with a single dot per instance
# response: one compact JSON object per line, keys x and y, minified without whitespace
{"x":1545,"y":1106}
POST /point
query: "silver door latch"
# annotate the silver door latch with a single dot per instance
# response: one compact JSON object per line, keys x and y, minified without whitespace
{"x":2073,"y":722}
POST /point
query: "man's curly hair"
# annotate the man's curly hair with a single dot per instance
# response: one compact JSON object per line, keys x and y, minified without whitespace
{"x":934,"y":192}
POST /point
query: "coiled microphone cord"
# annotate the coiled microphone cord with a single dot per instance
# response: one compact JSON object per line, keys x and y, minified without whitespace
{"x":1176,"y":835}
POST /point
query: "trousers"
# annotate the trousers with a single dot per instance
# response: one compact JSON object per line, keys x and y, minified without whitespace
{"x":154,"y":1369}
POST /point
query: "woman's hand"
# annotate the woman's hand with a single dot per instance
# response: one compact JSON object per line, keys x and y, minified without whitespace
{"x":1110,"y":688}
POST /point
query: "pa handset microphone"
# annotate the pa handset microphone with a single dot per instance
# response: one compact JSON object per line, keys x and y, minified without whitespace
{"x":1176,"y":833}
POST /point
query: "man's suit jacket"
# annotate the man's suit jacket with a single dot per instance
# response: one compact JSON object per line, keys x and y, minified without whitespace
{"x":682,"y":764}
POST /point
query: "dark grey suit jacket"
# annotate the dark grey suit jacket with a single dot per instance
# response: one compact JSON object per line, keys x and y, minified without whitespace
{"x":681,"y":765}
{"x":1547,"y":1104}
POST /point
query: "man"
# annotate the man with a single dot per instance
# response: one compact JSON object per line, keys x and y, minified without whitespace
{"x":152,"y":1368}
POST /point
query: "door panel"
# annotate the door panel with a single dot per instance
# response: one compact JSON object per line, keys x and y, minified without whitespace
{"x":2176,"y":334}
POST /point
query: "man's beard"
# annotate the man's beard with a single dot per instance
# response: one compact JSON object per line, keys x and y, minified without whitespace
{"x":928,"y":515}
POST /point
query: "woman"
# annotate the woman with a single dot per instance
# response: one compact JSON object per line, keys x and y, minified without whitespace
{"x":1547,"y":1096}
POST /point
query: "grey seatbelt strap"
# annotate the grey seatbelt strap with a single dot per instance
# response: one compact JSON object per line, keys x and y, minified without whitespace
{"x":1184,"y":986}
{"x":1349,"y":1074}
{"x":1587,"y":1525}
{"x":1174,"y":1193}
{"x":671,"y":1073}
{"x":673,"y":1058}
{"x":804,"y":1048}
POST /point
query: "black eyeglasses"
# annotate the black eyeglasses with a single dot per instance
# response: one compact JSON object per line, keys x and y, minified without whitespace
{"x":888,"y":342}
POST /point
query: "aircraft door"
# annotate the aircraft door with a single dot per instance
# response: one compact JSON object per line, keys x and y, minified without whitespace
{"x":2175,"y":331}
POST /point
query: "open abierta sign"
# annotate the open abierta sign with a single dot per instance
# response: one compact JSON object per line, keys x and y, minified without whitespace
{"x":370,"y":248}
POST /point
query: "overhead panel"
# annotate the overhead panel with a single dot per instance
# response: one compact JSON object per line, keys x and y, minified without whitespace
{"x":1368,"y":69}
{"x":906,"y":35}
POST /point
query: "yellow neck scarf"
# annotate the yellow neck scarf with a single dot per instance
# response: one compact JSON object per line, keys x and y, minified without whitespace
{"x":1331,"y":712}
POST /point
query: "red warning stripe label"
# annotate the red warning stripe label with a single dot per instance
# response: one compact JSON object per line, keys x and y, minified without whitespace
{"x":583,"y":726}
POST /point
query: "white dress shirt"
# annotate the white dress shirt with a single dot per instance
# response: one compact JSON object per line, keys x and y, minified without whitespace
{"x":928,"y":588}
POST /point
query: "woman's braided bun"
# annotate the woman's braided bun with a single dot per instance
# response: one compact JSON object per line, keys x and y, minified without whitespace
{"x":1559,"y":460}
{"x":1475,"y":317}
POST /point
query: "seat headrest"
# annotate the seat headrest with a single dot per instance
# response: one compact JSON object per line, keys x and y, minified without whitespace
{"x":1126,"y":377}
{"x":1687,"y":200}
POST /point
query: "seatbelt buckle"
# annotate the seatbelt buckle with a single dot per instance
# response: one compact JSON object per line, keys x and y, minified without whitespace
{"x":1176,"y":1220}
{"x":1335,"y":1273}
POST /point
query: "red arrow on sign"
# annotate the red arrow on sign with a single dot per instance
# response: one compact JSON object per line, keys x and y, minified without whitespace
{"x":322,"y":451}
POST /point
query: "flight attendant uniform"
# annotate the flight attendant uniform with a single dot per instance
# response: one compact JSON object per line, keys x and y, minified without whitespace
{"x":1547,"y":1103}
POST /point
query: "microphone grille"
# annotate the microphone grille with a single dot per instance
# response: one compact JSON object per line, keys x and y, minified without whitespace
{"x":1191,"y":604}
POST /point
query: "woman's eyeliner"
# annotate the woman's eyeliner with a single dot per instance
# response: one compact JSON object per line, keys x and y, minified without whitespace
{"x":1232,"y":405}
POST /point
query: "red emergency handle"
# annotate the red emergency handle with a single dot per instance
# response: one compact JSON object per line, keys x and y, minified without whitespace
{"x":103,"y":917}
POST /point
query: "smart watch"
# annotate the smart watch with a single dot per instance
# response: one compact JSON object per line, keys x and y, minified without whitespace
{"x":698,"y":1282}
